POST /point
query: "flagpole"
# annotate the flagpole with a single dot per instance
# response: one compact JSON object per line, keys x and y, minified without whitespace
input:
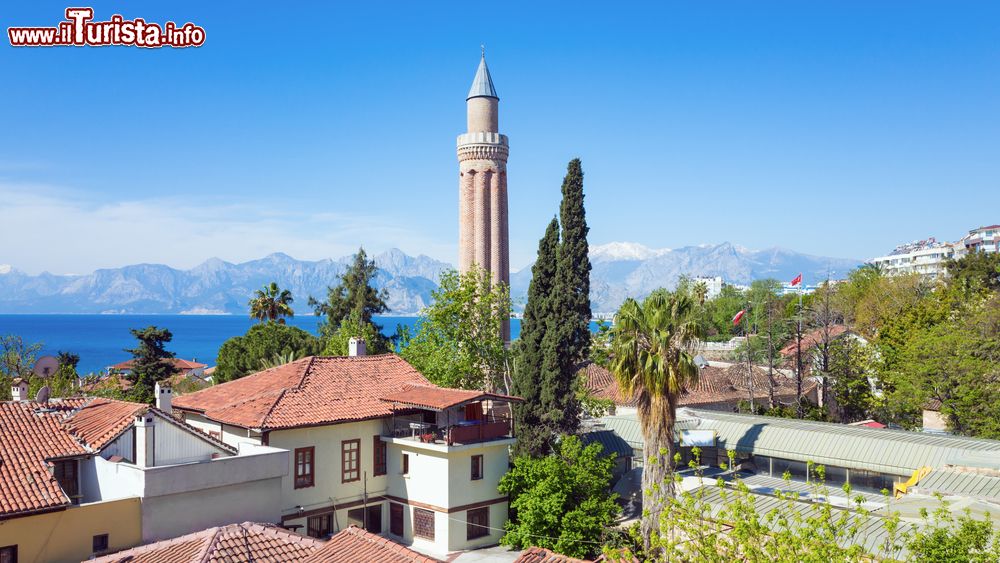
{"x":749,"y":357}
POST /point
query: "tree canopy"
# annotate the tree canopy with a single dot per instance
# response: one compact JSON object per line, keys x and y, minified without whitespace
{"x":355,"y":297}
{"x":271,"y":303}
{"x":561,"y":501}
{"x":458,"y":341}
{"x":260,"y":346}
{"x":149,"y":365}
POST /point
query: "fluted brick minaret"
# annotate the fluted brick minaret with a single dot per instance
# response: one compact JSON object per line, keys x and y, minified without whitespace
{"x":482,"y":185}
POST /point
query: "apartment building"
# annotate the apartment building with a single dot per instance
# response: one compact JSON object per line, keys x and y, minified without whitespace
{"x":374,"y":444}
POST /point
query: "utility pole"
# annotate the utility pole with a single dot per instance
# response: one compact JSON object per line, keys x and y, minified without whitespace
{"x":746,"y":333}
{"x":798,"y":359}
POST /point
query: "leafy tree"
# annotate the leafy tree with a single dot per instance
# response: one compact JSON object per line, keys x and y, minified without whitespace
{"x":652,"y":362}
{"x":68,"y":359}
{"x":533,"y":438}
{"x":17,"y":358}
{"x":354,"y":295}
{"x":458,"y":340}
{"x":242,"y":355}
{"x":150,"y":362}
{"x":853,"y":380}
{"x":600,"y":345}
{"x":271,"y":304}
{"x":975,"y":270}
{"x":560,"y":501}
{"x":719,"y":312}
{"x":338,"y":344}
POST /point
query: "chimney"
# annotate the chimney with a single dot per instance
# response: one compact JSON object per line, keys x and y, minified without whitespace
{"x":356,"y":347}
{"x":145,"y":440}
{"x":19,"y":389}
{"x":164,"y":397}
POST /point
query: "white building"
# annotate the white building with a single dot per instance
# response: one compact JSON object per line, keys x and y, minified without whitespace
{"x":925,"y":257}
{"x":374,"y":444}
{"x":713,"y":285}
{"x":983,"y":239}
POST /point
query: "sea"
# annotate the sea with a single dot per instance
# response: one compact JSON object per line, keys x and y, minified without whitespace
{"x":101,"y":340}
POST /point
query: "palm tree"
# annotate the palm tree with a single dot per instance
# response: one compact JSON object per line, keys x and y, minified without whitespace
{"x":652,"y":362}
{"x":701,"y":292}
{"x":271,"y":303}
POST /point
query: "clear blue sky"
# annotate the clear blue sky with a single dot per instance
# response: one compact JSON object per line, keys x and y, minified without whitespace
{"x":834,"y":128}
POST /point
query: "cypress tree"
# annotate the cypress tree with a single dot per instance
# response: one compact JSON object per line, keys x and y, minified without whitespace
{"x":573,"y":276}
{"x":567,"y":337}
{"x":534,"y":439}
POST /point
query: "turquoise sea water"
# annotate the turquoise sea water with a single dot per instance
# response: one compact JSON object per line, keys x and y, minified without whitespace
{"x":100,"y":340}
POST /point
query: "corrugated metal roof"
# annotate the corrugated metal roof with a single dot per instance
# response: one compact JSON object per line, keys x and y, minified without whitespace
{"x":872,"y":533}
{"x":482,"y":84}
{"x":960,"y":482}
{"x":896,"y":452}
{"x":611,"y":442}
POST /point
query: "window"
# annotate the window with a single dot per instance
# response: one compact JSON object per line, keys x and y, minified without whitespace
{"x":477,"y":523}
{"x":373,"y":523}
{"x":396,"y":519}
{"x":477,"y":467}
{"x":305,"y":467}
{"x":406,"y":464}
{"x":350,"y":452}
{"x":100,"y":543}
{"x":320,"y":526}
{"x":423,"y":523}
{"x":378,"y":453}
{"x":8,"y":554}
{"x":65,"y":474}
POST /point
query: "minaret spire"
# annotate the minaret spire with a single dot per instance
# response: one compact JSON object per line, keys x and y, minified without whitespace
{"x":482,"y":184}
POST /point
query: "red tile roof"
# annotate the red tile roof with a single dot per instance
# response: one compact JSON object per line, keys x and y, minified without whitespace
{"x":32,"y":435}
{"x":176,"y":362}
{"x":440,"y":398}
{"x":307,"y":392}
{"x":354,"y":545}
{"x":235,"y":543}
{"x":714,"y":385}
{"x":812,"y":339}
{"x":542,"y":555}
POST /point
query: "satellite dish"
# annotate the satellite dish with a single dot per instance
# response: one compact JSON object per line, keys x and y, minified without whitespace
{"x":43,"y":395}
{"x":700,"y":361}
{"x":46,"y":366}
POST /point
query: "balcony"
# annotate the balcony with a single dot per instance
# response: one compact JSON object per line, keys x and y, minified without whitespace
{"x":491,"y":427}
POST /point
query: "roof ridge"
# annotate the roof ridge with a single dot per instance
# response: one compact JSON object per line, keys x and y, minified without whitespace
{"x":189,"y":428}
{"x":299,"y":385}
{"x":205,"y":555}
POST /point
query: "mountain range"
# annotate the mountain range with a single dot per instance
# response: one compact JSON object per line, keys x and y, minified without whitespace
{"x":620,"y":270}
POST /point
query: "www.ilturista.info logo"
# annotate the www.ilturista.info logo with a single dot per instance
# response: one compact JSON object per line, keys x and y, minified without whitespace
{"x":79,"y":30}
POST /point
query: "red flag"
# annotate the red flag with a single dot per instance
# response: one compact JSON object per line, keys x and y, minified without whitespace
{"x":797,"y":280}
{"x":738,"y":317}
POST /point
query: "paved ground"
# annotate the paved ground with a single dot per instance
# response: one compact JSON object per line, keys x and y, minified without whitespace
{"x":498,"y":554}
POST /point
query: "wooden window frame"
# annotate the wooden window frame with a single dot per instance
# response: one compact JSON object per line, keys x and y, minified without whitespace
{"x":477,"y":467}
{"x":380,"y":451}
{"x":8,"y":553}
{"x":105,"y":538}
{"x":423,"y":523}
{"x":344,"y":469}
{"x":59,"y":472}
{"x":396,"y":527}
{"x":305,"y":480}
{"x":326,"y":517}
{"x":474,"y":531}
{"x":406,"y":464}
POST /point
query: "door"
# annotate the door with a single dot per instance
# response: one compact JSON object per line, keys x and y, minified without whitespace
{"x":396,"y":519}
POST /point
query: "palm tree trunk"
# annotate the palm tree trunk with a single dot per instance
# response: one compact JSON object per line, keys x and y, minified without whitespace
{"x":657,"y":471}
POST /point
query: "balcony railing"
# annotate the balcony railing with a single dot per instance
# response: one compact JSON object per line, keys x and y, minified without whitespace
{"x":464,"y":432}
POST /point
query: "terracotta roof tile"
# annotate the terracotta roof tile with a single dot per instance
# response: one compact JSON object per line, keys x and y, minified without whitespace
{"x":542,"y":555}
{"x":812,"y":339}
{"x":440,"y":398}
{"x":27,"y":440}
{"x":176,"y":362}
{"x":99,"y":421}
{"x":235,"y":543}
{"x":354,"y":545}
{"x":714,"y":385}
{"x":310,"y":391}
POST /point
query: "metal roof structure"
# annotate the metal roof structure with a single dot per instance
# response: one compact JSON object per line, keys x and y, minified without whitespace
{"x":872,"y":533}
{"x":895,"y":452}
{"x":610,"y":441}
{"x":949,"y":481}
{"x":482,"y":84}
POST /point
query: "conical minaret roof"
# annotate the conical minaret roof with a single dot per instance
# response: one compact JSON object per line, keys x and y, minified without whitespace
{"x":482,"y":84}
